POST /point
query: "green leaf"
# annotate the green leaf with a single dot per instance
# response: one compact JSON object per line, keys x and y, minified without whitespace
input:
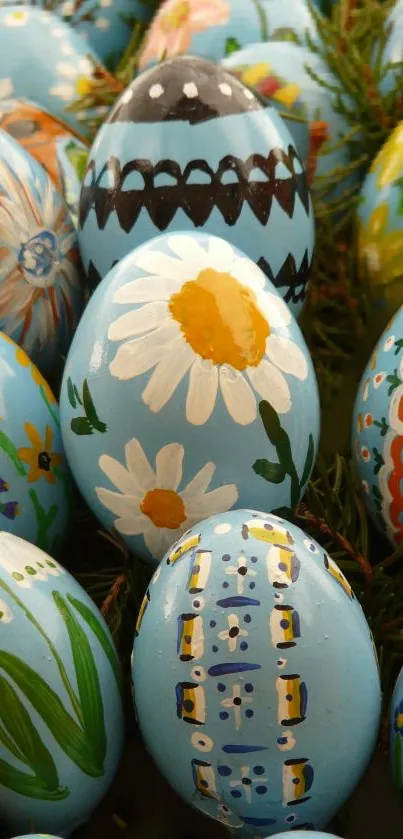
{"x":9,"y":449}
{"x":271,"y":421}
{"x":100,"y":633}
{"x":28,"y":785}
{"x":70,"y":393}
{"x":90,"y":411}
{"x":273,"y":472}
{"x":77,"y":395}
{"x":18,"y":723}
{"x":232,"y":45}
{"x":308,"y":462}
{"x":49,"y":706}
{"x":89,"y":689}
{"x":80,"y":425}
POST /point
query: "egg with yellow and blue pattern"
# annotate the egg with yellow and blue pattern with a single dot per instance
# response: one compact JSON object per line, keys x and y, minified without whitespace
{"x":265,"y":672}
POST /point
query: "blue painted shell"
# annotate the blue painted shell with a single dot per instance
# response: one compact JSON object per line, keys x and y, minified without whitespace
{"x":396,"y":733}
{"x":393,"y":48}
{"x":64,"y":63}
{"x":35,"y":484}
{"x":219,"y":162}
{"x":377,"y":436}
{"x":62,"y":722}
{"x":188,"y":389}
{"x":265,"y":672}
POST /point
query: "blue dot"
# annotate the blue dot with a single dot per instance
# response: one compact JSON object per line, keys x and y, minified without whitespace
{"x":252,"y":585}
{"x":258,"y":770}
{"x":224,"y":771}
{"x":288,"y":696}
{"x":295,"y":781}
{"x":213,"y":624}
{"x":249,"y":687}
{"x":290,"y":819}
{"x":261,"y":790}
{"x":226,"y":557}
{"x":247,"y":618}
{"x":243,"y":645}
{"x":253,"y":559}
{"x":282,"y":566}
{"x":223,"y":715}
{"x":220,"y":687}
{"x":279,"y":662}
{"x":214,"y":648}
{"x":249,"y":713}
{"x":284,"y":623}
{"x":281,"y":741}
{"x":236,"y":793}
{"x":225,"y":585}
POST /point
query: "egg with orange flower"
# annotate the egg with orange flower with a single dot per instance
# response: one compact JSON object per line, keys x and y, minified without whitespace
{"x":34,"y":478}
{"x":377,"y":433}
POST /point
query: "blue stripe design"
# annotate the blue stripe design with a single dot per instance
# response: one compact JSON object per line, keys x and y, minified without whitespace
{"x":229,"y":602}
{"x":258,"y":822}
{"x":232,"y":667}
{"x":231,"y":749}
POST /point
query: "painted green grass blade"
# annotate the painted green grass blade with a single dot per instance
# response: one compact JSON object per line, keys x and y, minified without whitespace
{"x":10,"y":745}
{"x":21,"y":729}
{"x":48,"y":705}
{"x":99,"y":632}
{"x":89,"y":690}
{"x":28,"y":785}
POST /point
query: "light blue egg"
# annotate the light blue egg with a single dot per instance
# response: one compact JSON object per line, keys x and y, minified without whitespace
{"x":287,"y":81}
{"x":265,"y":672}
{"x":396,"y":732}
{"x":393,"y":49}
{"x":60,"y":687}
{"x":35,"y":484}
{"x":41,"y":283}
{"x":184,"y":368}
{"x":377,"y":432}
{"x":305,"y":833}
{"x":44,"y":59}
{"x":213,"y":29}
{"x":36,"y":836}
{"x":189,"y":147}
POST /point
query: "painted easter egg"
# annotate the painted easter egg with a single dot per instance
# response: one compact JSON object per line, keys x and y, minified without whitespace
{"x":62,"y":152}
{"x":185,"y":355}
{"x":61,"y":709}
{"x":260,"y":655}
{"x":377,"y":435}
{"x":213,"y":29}
{"x":35,"y":483}
{"x":41,"y":282}
{"x":278,"y":71}
{"x":305,"y":833}
{"x":219,"y":161}
{"x":396,"y":733}
{"x":393,"y":49}
{"x":64,"y":64}
{"x":380,"y":226}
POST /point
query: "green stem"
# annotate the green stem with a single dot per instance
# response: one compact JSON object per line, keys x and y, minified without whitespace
{"x":43,"y":520}
{"x":264,"y":24}
{"x":55,"y":418}
{"x":62,"y":670}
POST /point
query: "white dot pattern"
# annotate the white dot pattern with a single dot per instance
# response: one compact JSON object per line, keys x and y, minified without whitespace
{"x":225,"y":89}
{"x":156,"y":91}
{"x":190,"y":90}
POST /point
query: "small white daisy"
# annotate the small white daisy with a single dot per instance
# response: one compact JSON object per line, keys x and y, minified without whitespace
{"x":16,"y":18}
{"x":75,"y":79}
{"x":389,"y":343}
{"x":205,"y":312}
{"x":150,"y":502}
{"x":378,"y":379}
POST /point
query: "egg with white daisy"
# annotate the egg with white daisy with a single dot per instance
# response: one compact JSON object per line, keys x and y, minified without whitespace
{"x":188,"y":390}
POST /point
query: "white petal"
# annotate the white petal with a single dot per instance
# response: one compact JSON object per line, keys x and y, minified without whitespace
{"x":124,"y":506}
{"x":164,"y":266}
{"x":188,"y":250}
{"x":143,"y":319}
{"x":63,"y":91}
{"x":202,"y":392}
{"x":156,"y":541}
{"x":138,"y":465}
{"x":146,"y":289}
{"x":287,"y":356}
{"x":238,"y":396}
{"x":274,"y":309}
{"x":168,"y":375}
{"x":68,"y":242}
{"x":198,"y":485}
{"x":271,"y":386}
{"x":136,"y":357}
{"x":168,"y":465}
{"x":119,"y":476}
{"x":218,"y":501}
{"x":220,"y":254}
{"x":248,"y":273}
{"x":66,"y":69}
{"x":132,"y":525}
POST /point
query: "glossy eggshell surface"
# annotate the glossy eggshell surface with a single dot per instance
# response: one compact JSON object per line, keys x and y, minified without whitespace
{"x":278,"y":71}
{"x":187,"y":146}
{"x":396,"y":733}
{"x":60,"y":689}
{"x":62,"y":61}
{"x":213,"y":28}
{"x":393,"y":49}
{"x":260,"y":655}
{"x":380,"y":232}
{"x":305,"y":834}
{"x":41,"y":281}
{"x":34,"y":480}
{"x":187,"y":365}
{"x":377,"y":433}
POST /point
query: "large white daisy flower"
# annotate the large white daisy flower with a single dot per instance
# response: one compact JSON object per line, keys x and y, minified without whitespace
{"x":206,"y":313}
{"x":149,"y":501}
{"x":38,"y":260}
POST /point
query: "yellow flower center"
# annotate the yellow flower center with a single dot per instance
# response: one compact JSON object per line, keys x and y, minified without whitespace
{"x":18,"y":15}
{"x":83,"y":86}
{"x":221,"y":320}
{"x":164,"y":507}
{"x":177,"y":17}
